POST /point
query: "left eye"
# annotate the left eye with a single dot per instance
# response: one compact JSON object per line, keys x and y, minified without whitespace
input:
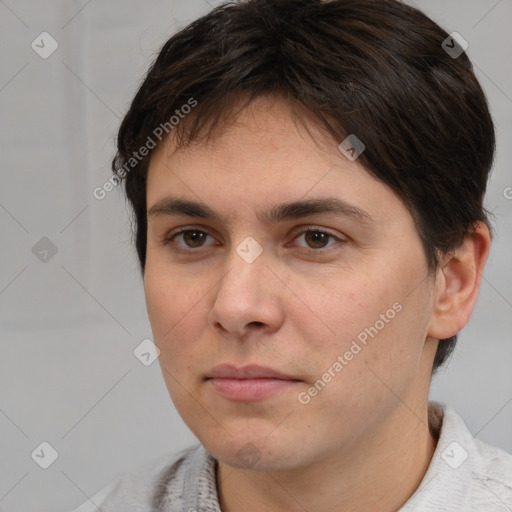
{"x":316,"y":239}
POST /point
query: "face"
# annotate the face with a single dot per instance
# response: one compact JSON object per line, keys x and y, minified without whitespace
{"x":333,"y":296}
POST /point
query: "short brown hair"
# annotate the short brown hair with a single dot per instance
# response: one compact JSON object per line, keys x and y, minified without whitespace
{"x":373,"y":68}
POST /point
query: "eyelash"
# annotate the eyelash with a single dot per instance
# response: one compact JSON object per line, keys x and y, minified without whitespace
{"x":169,"y":240}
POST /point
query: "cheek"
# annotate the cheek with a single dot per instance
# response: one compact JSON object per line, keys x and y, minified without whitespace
{"x":362,"y":373}
{"x":169,"y":297}
{"x":341,"y":312}
{"x":177,"y":321}
{"x":364,"y":329}
{"x":176,"y":314}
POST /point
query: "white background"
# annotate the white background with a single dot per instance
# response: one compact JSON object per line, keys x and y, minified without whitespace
{"x":69,"y":326}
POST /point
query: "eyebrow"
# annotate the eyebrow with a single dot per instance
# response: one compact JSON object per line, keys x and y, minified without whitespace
{"x":278,"y":213}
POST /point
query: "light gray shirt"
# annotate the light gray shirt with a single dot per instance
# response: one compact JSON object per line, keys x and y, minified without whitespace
{"x":464,"y":474}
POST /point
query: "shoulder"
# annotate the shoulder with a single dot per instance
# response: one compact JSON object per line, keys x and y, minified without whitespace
{"x":464,"y":473}
{"x":489,"y":468}
{"x":141,"y":490}
{"x":492,"y":474}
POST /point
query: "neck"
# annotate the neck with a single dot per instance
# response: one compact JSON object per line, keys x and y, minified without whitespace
{"x":378,"y":473}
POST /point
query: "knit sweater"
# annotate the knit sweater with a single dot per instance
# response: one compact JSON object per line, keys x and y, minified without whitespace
{"x":464,"y":474}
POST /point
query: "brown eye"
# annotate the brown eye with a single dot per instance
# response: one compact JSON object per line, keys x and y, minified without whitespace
{"x":194,"y":238}
{"x":316,"y":239}
{"x":190,"y":239}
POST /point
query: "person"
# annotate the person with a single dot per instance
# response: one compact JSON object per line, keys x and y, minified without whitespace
{"x":307,"y":181}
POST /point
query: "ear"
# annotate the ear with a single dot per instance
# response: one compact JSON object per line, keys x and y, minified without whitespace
{"x":458,"y":283}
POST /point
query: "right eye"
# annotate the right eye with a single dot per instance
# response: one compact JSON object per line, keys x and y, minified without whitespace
{"x":191,"y":239}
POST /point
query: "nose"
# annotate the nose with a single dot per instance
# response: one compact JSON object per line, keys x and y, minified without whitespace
{"x":247,"y":298}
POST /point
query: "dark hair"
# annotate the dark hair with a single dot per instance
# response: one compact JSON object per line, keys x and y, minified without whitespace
{"x":374,"y":68}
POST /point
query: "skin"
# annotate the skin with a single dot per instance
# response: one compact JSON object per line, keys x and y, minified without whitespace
{"x":363,"y":442}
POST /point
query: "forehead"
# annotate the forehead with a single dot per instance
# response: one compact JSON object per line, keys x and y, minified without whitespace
{"x":263,"y":158}
{"x":266,"y":131}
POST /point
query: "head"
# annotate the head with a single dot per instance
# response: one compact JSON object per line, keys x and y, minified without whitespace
{"x":243,"y":111}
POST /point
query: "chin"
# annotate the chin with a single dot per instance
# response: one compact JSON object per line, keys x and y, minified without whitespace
{"x":259,"y":454}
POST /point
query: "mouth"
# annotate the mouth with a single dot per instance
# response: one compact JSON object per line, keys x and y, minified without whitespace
{"x":249,"y":383}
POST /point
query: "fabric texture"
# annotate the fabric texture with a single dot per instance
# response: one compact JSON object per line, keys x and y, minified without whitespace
{"x":465,"y":474}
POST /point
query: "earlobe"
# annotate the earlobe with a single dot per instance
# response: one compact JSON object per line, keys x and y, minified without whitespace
{"x":458,"y":283}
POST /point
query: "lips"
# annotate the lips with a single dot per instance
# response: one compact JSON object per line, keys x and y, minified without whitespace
{"x":253,"y":371}
{"x":249,"y":383}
